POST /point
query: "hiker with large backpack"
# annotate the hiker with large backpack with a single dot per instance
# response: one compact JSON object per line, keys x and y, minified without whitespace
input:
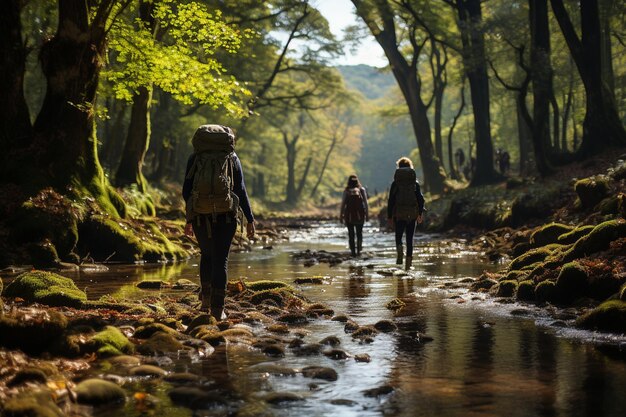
{"x":405,"y":207}
{"x":354,"y":212}
{"x":214,"y":193}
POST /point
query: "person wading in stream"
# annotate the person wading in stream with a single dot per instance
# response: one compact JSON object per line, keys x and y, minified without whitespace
{"x":354,"y":212}
{"x":214,"y":192}
{"x":405,"y":207}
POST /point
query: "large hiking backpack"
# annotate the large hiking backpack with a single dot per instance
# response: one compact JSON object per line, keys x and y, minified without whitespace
{"x":212,"y":172}
{"x":406,"y":207}
{"x":355,"y":207}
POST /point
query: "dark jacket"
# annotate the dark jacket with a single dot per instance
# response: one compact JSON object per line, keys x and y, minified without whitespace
{"x":239,"y":187}
{"x":391,"y":202}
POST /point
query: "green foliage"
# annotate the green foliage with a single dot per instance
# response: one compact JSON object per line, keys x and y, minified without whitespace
{"x":179,"y":58}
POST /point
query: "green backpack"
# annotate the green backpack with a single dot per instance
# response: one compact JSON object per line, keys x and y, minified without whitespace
{"x":212,"y":172}
{"x":406,"y":207}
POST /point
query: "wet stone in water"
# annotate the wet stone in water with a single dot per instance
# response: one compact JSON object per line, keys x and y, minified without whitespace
{"x":99,"y":392}
{"x":377,"y":392}
{"x":330,"y":341}
{"x":196,"y":398}
{"x":148,"y":370}
{"x":385,"y":326}
{"x":340,"y":318}
{"x":342,"y":401}
{"x":274,"y":350}
{"x":282,"y":397}
{"x":182,"y":378}
{"x":337,"y":354}
{"x":309,"y":349}
{"x":319,"y":372}
{"x":362,"y":357}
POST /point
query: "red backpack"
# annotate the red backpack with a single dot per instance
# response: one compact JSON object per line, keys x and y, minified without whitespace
{"x":355,"y":207}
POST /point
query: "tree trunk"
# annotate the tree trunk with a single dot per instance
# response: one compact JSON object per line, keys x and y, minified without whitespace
{"x":407,"y":77}
{"x":112,"y":143}
{"x":138,"y":138}
{"x":566,"y":112}
{"x":524,"y":132}
{"x":472,"y":37}
{"x":454,"y":170}
{"x":606,"y":11}
{"x":541,"y":72}
{"x":130,"y":168}
{"x":290,"y":146}
{"x":15,"y":126}
{"x":65,"y":136}
{"x":602,"y":126}
{"x":324,"y":165}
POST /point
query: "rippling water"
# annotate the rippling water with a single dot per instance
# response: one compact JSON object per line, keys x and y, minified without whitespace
{"x":482,"y":360}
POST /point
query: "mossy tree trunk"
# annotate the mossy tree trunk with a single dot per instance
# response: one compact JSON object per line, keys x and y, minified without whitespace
{"x":602,"y":127}
{"x":64,"y":132}
{"x":130,"y":171}
{"x":15,"y":126}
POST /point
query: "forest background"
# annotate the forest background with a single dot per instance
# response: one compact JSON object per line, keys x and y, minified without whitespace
{"x":103,"y":97}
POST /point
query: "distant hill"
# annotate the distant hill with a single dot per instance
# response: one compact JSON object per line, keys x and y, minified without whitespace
{"x":372,"y":82}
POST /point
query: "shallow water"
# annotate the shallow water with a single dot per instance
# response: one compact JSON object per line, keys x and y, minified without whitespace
{"x":482,"y":360}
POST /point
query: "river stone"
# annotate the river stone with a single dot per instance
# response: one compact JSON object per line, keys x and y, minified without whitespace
{"x":195,"y":398}
{"x":309,"y":349}
{"x":148,"y":330}
{"x":362,"y":357}
{"x":350,"y":326}
{"x":147,"y":370}
{"x":295,"y":343}
{"x":150,"y":285}
{"x":38,"y":404}
{"x":336,"y":354}
{"x":26,"y":375}
{"x":385,"y":326}
{"x":265,"y":368}
{"x":182,"y":378}
{"x":125,"y":360}
{"x":330,"y":341}
{"x":185,"y":284}
{"x":274,"y":350}
{"x":320,"y":372}
{"x":282,"y":397}
{"x":342,"y":401}
{"x":160,"y":343}
{"x":340,"y":318}
{"x":99,"y":392}
{"x":377,"y":392}
{"x":200,"y":320}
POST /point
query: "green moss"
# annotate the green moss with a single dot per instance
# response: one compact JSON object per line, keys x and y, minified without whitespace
{"x":609,"y":316}
{"x":545,"y":291}
{"x":526,"y":290}
{"x":533,"y":256}
{"x":516,"y":275}
{"x":507,"y":288}
{"x":572,"y":236}
{"x":572,"y":282}
{"x":592,"y":190}
{"x":139,"y":310}
{"x":148,"y":330}
{"x":111,"y":342}
{"x":622,"y":293}
{"x":597,"y":240}
{"x":38,"y":404}
{"x":46,"y":288}
{"x":99,"y":392}
{"x":278,"y":296}
{"x":548,"y":234}
{"x":267,"y":285}
{"x":141,"y":203}
{"x":160,"y":343}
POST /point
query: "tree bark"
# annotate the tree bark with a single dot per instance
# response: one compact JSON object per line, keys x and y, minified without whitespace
{"x":454,"y":170}
{"x":472,"y":38}
{"x":410,"y":85}
{"x":541,"y":73}
{"x":602,"y":126}
{"x":15,"y":126}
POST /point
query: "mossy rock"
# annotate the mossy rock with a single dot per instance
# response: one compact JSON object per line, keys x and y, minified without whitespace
{"x":622,"y":293}
{"x":533,"y":256}
{"x":138,"y":310}
{"x":160,"y":343}
{"x":277,"y":296}
{"x":38,"y":404}
{"x":592,"y":190}
{"x":516,"y":275}
{"x":609,"y":316}
{"x":151,"y":284}
{"x":99,"y":392}
{"x":536,"y":204}
{"x":548,"y":234}
{"x":507,"y":288}
{"x":46,"y":288}
{"x":27,"y":375}
{"x":520,"y":249}
{"x":573,"y":235}
{"x":545,"y":291}
{"x":597,"y":240}
{"x":34,"y":335}
{"x":572,"y":282}
{"x":111,"y":342}
{"x":609,"y":205}
{"x":526,"y":290}
{"x":144,"y":332}
{"x":42,"y":254}
{"x":267,"y":285}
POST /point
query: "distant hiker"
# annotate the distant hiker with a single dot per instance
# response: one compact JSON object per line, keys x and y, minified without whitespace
{"x":354,"y":212}
{"x":214,"y":191}
{"x":405,"y":207}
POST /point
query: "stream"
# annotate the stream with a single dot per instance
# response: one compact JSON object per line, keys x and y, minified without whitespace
{"x":486,"y":357}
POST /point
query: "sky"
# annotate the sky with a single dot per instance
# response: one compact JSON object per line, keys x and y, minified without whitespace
{"x":340,"y":13}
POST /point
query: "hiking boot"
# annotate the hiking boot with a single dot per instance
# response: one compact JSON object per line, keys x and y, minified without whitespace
{"x":217,"y":304}
{"x":205,"y":300}
{"x":409,"y":262}
{"x":399,"y":258}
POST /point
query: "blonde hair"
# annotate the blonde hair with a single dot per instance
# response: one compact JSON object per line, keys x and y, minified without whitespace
{"x":404,"y":162}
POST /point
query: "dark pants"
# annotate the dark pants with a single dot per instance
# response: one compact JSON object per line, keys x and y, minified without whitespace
{"x":352,"y":227}
{"x":214,"y":250}
{"x":407,"y":226}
